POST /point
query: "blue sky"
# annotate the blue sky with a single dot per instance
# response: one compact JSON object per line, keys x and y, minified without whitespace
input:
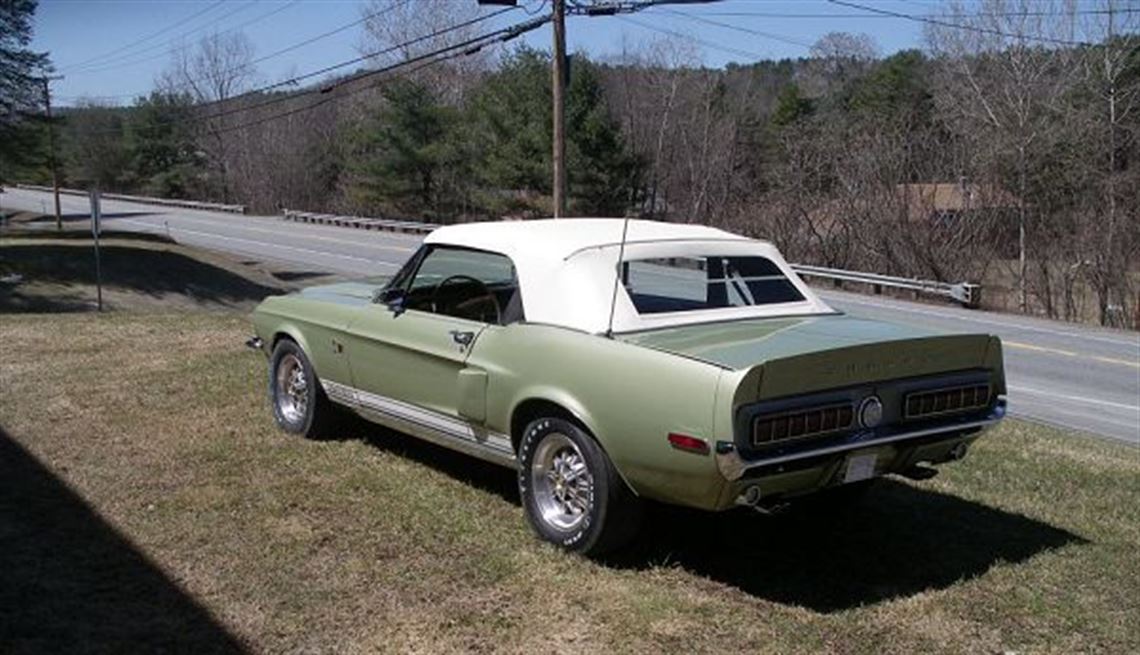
{"x":77,"y":31}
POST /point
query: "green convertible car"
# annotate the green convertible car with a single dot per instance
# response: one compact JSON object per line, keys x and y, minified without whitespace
{"x":612,"y":361}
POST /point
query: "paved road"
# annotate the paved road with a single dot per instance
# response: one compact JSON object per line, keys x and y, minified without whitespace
{"x":1079,"y":377}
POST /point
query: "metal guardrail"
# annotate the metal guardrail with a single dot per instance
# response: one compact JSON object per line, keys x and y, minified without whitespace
{"x":186,"y":204}
{"x":968,"y":294}
{"x":359,"y":222}
{"x":965,"y":293}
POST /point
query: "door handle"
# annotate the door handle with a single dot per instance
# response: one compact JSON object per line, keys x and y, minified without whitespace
{"x":462,"y":338}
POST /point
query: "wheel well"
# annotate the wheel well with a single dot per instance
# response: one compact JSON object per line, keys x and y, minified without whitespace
{"x":534,"y":408}
{"x":278,"y":337}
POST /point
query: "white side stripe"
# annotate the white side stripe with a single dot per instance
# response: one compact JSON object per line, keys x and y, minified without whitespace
{"x":449,"y":426}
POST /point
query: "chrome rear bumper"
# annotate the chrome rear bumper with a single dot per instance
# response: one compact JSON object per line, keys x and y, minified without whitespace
{"x":733,"y":467}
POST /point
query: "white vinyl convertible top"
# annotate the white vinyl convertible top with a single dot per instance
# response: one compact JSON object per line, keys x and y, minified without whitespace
{"x":567,"y":268}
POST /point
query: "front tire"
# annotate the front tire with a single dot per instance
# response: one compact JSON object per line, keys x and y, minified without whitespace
{"x":300,"y":405}
{"x":571,"y":492}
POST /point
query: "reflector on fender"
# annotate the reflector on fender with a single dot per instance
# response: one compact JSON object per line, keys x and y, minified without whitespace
{"x":689,"y":444}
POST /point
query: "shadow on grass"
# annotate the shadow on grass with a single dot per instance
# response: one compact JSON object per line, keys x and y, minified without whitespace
{"x":70,"y":582}
{"x":86,"y":217}
{"x":141,"y":270}
{"x":470,"y":470}
{"x":299,"y":276}
{"x":74,"y":234}
{"x":899,"y":541}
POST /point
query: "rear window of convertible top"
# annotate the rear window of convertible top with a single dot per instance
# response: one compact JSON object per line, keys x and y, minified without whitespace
{"x":693,"y":283}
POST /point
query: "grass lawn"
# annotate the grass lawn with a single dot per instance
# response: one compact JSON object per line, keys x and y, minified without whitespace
{"x":148,"y":503}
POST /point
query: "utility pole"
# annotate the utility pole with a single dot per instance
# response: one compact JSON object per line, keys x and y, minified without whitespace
{"x":558,"y":72}
{"x":51,"y":145}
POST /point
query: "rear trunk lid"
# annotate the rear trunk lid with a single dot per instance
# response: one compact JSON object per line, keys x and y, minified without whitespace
{"x":806,"y":354}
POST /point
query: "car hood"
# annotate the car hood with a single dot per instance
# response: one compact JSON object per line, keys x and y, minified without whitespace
{"x":740,"y":344}
{"x":356,"y":292}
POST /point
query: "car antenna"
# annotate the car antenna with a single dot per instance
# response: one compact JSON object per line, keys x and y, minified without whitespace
{"x":617,"y":276}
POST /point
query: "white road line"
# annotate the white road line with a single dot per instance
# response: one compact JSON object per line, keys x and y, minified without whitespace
{"x":977,"y":319}
{"x":1080,"y":399}
{"x":235,"y":225}
{"x":264,"y":244}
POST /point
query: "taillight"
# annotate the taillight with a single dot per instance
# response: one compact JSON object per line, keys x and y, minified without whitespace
{"x":933,"y":402}
{"x":688,"y":444}
{"x":796,"y":424}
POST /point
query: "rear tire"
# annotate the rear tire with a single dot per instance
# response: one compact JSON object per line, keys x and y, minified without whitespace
{"x":300,"y":405}
{"x":572,"y":494}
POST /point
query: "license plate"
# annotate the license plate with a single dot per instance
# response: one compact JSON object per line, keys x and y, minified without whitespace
{"x":859,"y":467}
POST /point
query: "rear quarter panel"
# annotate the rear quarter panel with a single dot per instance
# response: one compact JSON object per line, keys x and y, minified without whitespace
{"x":630,"y":398}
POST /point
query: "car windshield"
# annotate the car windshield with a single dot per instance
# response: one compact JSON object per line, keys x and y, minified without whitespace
{"x":682,"y":284}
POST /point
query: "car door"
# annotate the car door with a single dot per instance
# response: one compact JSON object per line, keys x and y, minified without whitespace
{"x":408,"y":350}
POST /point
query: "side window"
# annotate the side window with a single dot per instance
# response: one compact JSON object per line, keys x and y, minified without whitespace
{"x":400,"y":279}
{"x":470,"y":284}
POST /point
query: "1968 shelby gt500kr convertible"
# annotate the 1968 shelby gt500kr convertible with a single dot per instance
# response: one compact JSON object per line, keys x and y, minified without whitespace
{"x":612,"y":362}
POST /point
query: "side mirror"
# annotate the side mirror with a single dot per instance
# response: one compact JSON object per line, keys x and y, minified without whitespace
{"x":393,"y":297}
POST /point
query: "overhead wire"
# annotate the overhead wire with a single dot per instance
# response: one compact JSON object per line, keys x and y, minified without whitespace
{"x":172,"y":48}
{"x":682,"y":35}
{"x":290,"y":48}
{"x":505,"y":33}
{"x":144,"y":39}
{"x":959,"y":26}
{"x":738,"y":28}
{"x":463,"y":49}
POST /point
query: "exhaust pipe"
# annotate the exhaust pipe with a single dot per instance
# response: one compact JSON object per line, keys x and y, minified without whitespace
{"x":751,"y":497}
{"x":959,"y":451}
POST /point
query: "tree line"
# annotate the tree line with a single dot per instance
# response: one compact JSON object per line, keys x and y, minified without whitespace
{"x":1004,"y":151}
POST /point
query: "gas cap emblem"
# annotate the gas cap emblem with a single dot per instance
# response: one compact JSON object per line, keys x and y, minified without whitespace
{"x":870,"y":412}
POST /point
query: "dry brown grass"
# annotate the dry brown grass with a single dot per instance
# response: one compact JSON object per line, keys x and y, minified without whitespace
{"x":147,"y":502}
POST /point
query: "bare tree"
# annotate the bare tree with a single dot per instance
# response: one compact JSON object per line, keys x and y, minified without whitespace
{"x":835,"y":59}
{"x":397,"y":30}
{"x":1002,"y":76}
{"x":1111,"y":121}
{"x":214,"y":73}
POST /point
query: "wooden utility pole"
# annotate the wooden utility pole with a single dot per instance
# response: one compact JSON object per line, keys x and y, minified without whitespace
{"x":558,"y":72}
{"x":51,"y":145}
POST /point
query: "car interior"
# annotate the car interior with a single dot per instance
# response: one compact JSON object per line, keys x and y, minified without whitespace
{"x":464,"y":283}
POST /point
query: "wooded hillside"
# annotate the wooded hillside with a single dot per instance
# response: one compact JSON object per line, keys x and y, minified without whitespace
{"x":1005,"y":150}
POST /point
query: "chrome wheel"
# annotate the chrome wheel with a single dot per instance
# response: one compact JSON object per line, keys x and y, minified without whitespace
{"x":562,"y":482}
{"x":292,"y":389}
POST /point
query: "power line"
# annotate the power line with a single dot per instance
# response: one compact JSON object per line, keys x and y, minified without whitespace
{"x":464,"y":49}
{"x":144,"y":39}
{"x":739,"y":28}
{"x":125,"y":62}
{"x":682,"y":35}
{"x":292,"y":47}
{"x":376,"y":14}
{"x":957,"y":26}
{"x":505,"y":34}
{"x":1000,"y":14}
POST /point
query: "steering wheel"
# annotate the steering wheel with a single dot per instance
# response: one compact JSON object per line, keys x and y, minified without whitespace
{"x":464,"y":308}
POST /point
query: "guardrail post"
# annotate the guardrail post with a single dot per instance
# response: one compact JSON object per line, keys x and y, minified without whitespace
{"x":967,"y":293}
